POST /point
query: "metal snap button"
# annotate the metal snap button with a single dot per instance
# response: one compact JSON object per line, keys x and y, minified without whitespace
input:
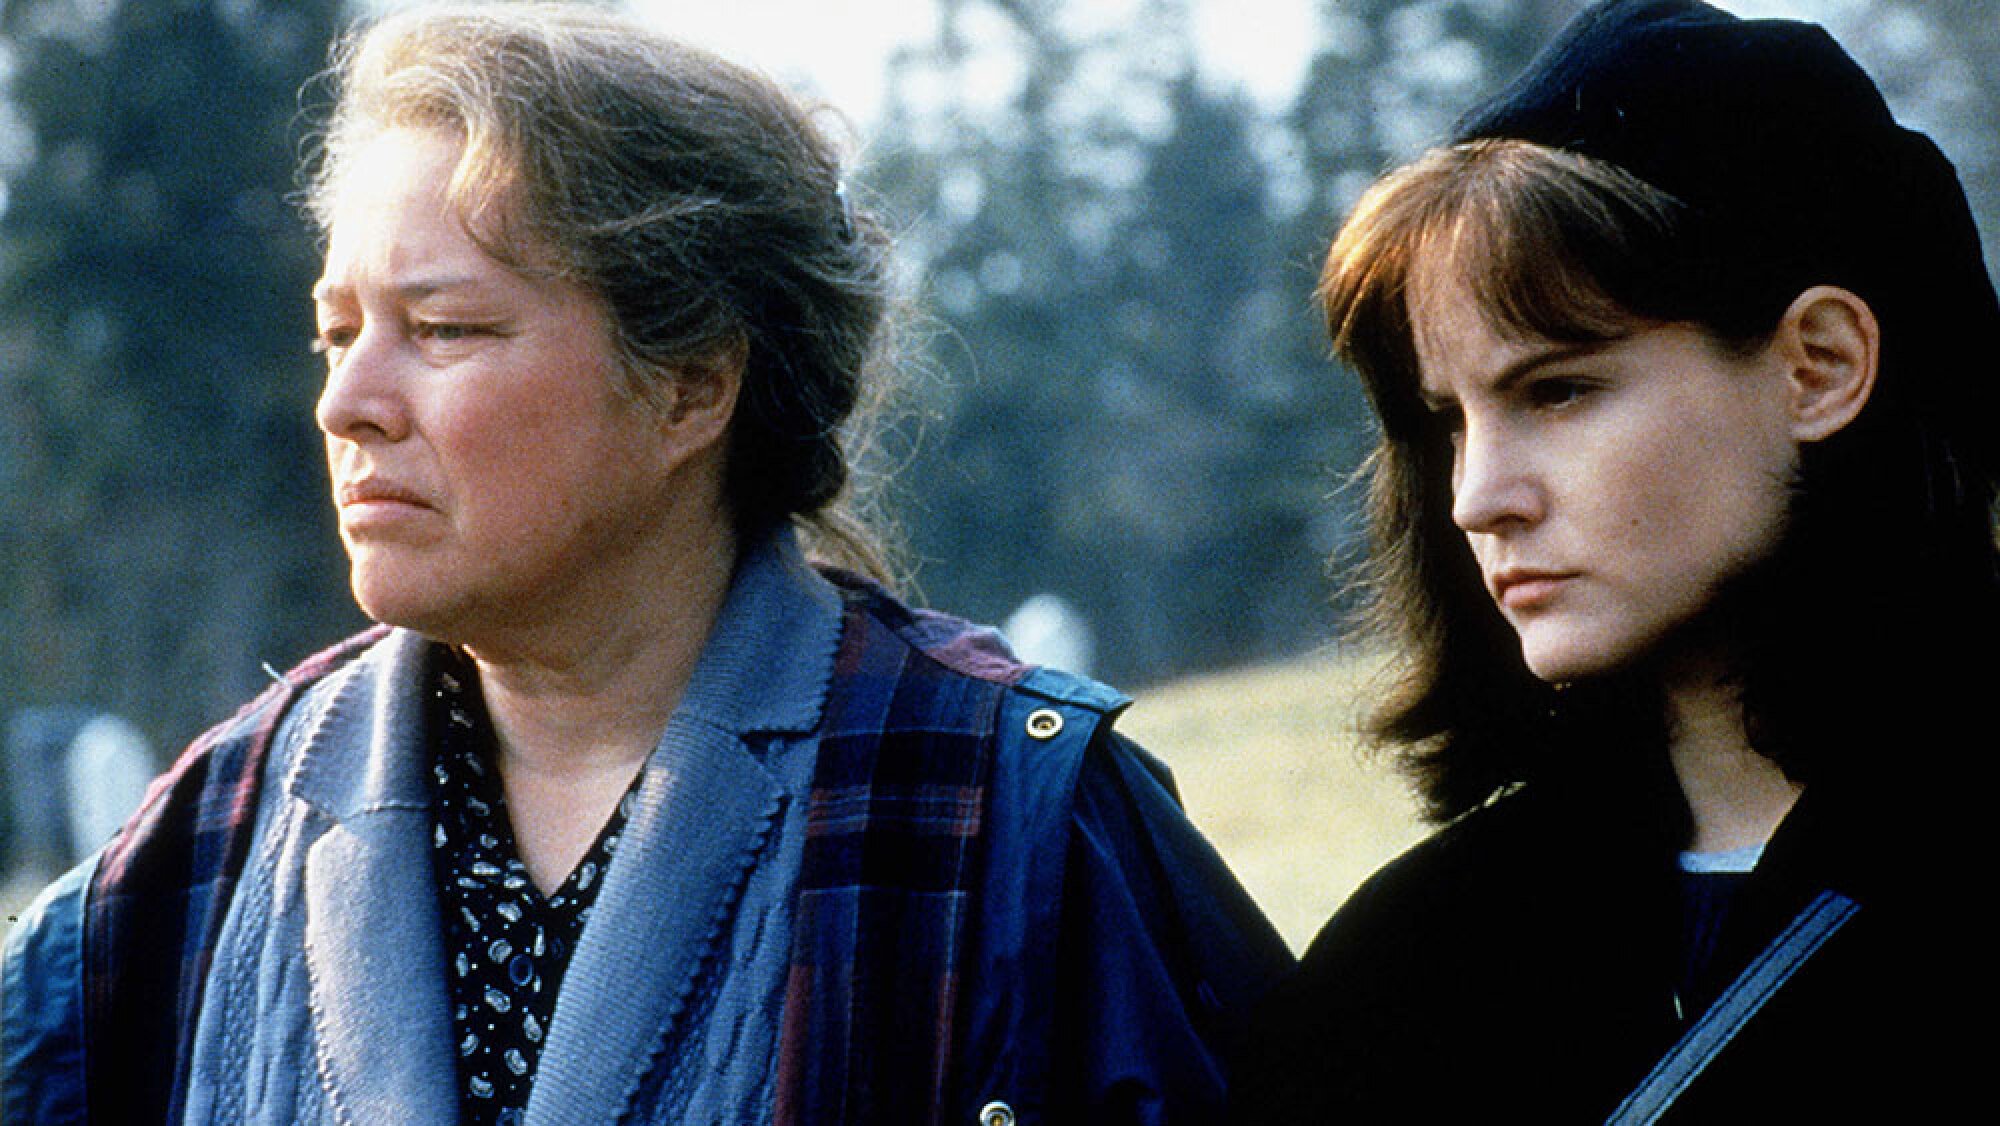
{"x":997,"y":1113}
{"x":1044,"y":723}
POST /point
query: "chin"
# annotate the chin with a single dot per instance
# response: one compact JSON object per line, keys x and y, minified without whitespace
{"x":1562,"y":659}
{"x":394,"y":601}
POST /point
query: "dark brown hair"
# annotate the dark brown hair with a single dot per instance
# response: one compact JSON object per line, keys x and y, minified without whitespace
{"x":696,"y":197}
{"x":1569,"y":248}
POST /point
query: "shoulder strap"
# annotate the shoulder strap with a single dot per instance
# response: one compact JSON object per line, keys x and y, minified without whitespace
{"x":1806,"y":933}
{"x":894,"y":830}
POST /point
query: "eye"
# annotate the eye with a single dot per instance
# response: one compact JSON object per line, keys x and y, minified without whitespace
{"x":1444,"y":418}
{"x":447,"y":332}
{"x":333,"y":340}
{"x":1557,"y":391}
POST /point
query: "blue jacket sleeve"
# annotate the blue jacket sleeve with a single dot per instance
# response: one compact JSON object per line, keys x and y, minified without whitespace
{"x":1161,"y":952}
{"x":41,"y":1008}
{"x":1112,"y":951}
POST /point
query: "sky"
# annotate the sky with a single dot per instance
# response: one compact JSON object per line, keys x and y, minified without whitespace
{"x":827,"y":50}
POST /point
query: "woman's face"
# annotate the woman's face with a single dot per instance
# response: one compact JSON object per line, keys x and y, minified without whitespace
{"x":1608,"y":492}
{"x":487,"y":474}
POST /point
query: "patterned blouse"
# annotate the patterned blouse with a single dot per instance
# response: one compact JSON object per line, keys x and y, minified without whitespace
{"x":507,"y":945}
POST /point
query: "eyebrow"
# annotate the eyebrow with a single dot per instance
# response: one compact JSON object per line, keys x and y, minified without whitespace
{"x":1527,"y":365}
{"x":415,"y":289}
{"x":1520,"y":369}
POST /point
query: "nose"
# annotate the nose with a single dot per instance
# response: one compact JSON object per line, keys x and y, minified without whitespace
{"x":363,"y":396}
{"x":1494,"y":486}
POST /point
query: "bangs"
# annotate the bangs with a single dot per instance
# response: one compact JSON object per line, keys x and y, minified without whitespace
{"x":1550,"y":244}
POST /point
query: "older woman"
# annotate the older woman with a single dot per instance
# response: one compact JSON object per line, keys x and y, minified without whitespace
{"x":627,"y":813}
{"x":1684,"y":513}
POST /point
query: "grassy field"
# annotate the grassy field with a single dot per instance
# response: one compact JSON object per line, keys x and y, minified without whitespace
{"x":1271,"y":770}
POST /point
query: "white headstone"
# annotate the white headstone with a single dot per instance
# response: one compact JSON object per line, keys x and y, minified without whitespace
{"x":108,"y":767}
{"x":1047,"y":630}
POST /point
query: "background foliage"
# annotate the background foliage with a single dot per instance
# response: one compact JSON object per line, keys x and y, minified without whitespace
{"x":161,"y":524}
{"x":1120,"y":393}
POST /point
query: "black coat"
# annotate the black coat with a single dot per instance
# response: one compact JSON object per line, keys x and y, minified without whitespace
{"x":1523,"y":965}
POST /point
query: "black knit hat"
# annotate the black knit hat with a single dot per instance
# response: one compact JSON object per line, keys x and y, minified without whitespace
{"x":1787,"y":158}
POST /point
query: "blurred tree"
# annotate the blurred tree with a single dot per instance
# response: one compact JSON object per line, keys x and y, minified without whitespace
{"x":1212,"y":478}
{"x":161,"y":504}
{"x":990,"y":199}
{"x":1111,"y":422}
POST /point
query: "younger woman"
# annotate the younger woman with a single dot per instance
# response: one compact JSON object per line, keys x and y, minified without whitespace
{"x":1684,"y":528}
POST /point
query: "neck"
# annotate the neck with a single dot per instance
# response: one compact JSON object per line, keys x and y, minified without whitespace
{"x":1735,"y":796}
{"x":593,"y":695}
{"x":578,"y":707}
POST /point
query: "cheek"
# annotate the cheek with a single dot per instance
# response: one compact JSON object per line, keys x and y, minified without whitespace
{"x":507,"y":428}
{"x":1642,"y":490}
{"x":1717,"y":507}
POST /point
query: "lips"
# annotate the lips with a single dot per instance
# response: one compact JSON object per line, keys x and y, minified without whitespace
{"x":377,"y":491}
{"x":379,"y":507}
{"x":1523,"y":588}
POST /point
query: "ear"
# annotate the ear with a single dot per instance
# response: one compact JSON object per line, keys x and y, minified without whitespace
{"x":1831,"y":346}
{"x":699,"y":397}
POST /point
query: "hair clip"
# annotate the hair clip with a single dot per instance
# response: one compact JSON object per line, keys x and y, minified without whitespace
{"x":846,"y":227}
